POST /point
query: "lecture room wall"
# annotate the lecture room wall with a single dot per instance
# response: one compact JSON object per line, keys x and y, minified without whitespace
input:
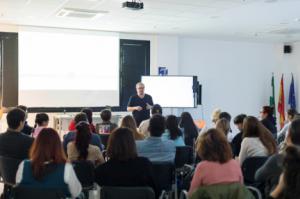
{"x":235,"y":74}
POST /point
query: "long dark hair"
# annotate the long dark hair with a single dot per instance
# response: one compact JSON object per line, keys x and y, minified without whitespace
{"x":121,"y":145}
{"x":89,"y":114}
{"x":172,"y":126}
{"x":254,"y":128}
{"x":46,"y":148}
{"x":187,"y":123}
{"x":82,"y":139}
{"x":291,"y":172}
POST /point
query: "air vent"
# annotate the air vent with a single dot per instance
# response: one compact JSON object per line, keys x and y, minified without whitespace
{"x":80,"y":13}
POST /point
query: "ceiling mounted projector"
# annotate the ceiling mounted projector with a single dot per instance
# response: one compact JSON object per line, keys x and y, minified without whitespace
{"x":134,"y":5}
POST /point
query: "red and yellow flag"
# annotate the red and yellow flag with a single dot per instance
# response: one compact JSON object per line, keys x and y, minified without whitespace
{"x":281,"y":104}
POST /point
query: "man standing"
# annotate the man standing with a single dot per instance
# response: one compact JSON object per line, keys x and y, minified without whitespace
{"x":140,"y":104}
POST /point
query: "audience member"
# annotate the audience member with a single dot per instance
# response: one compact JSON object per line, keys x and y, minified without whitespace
{"x":237,"y":140}
{"x":26,"y":129}
{"x":13,"y":143}
{"x":215,"y":116}
{"x":284,"y":131}
{"x":129,"y":122}
{"x":47,"y":166}
{"x":81,"y":149}
{"x":95,"y":139}
{"x":89,"y":114}
{"x":173,"y":132}
{"x":144,"y":126}
{"x":225,"y":115}
{"x":217,"y":165}
{"x":123,"y":167}
{"x":268,"y":119}
{"x":269,"y":173}
{"x":288,"y":186}
{"x":41,"y":121}
{"x":153,"y":147}
{"x":223,"y":125}
{"x":106,"y":126}
{"x":257,"y":140}
{"x":190,"y":131}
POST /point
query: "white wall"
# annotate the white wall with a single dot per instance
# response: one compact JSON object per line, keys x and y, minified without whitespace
{"x":236,"y":76}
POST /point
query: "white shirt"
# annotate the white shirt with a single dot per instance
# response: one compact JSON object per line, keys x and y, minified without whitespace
{"x":250,"y":147}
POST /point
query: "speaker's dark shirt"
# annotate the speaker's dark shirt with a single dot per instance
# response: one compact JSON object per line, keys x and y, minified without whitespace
{"x":144,"y":114}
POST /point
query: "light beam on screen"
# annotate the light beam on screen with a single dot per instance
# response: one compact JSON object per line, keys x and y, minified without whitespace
{"x":68,"y":70}
{"x":170,"y":91}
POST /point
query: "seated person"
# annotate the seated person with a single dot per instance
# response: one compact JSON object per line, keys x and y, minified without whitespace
{"x":48,"y":167}
{"x":41,"y":121}
{"x":282,"y":134}
{"x":106,"y":126}
{"x":95,"y":139}
{"x":273,"y":167}
{"x":153,"y":147}
{"x":237,"y":139}
{"x":268,"y":119}
{"x":173,"y":132}
{"x":144,"y":126}
{"x":190,"y":131}
{"x":81,"y":149}
{"x":89,"y":115}
{"x":124,"y":167}
{"x":217,"y":165}
{"x":129,"y":122}
{"x":223,"y":125}
{"x":26,"y":129}
{"x":13,"y":143}
{"x":288,"y":186}
{"x":258,"y":140}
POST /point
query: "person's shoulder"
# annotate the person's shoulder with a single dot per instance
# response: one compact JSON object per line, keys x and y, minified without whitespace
{"x":142,"y":160}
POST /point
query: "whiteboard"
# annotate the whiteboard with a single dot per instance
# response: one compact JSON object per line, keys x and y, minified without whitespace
{"x":170,"y":91}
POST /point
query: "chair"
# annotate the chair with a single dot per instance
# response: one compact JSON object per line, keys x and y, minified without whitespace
{"x":255,"y":192}
{"x":184,"y":155}
{"x":164,"y":176}
{"x":250,"y":166}
{"x":104,"y":139}
{"x":126,"y":193}
{"x":21,"y":192}
{"x":85,"y":173}
{"x":8,"y":169}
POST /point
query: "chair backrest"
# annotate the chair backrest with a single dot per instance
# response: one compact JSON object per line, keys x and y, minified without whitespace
{"x":164,"y":175}
{"x":255,"y":192}
{"x":184,"y":155}
{"x":250,"y":166}
{"x":85,"y":173}
{"x":228,"y":191}
{"x":104,"y":139}
{"x":8,"y":169}
{"x":127,"y":192}
{"x":21,"y":192}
